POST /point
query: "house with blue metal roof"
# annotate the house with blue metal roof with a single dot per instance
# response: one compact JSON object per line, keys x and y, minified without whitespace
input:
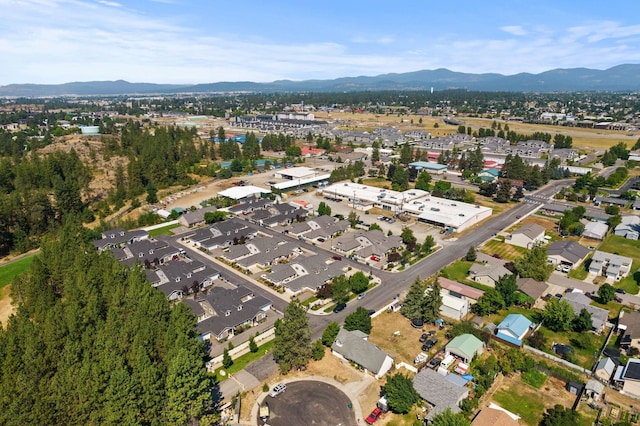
{"x":513,"y":329}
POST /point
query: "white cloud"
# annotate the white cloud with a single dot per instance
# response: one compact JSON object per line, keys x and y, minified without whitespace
{"x":110,"y":3}
{"x":516,"y":30}
{"x":56,"y":41}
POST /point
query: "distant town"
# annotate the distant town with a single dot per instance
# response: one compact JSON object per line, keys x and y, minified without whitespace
{"x":396,"y":258}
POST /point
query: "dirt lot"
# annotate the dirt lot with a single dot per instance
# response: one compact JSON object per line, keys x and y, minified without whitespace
{"x":6,"y":308}
{"x":394,"y":334}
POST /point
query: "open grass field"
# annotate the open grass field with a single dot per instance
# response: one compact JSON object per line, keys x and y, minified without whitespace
{"x":9,"y":271}
{"x":584,"y":138}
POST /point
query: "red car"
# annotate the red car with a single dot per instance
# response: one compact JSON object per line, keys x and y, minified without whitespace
{"x":375,"y":258}
{"x":375,"y":415}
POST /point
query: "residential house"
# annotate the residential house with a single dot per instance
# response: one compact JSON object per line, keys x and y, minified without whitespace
{"x":118,"y":237}
{"x":527,"y":236}
{"x":494,"y":415}
{"x":227,"y":311}
{"x":195,"y":217}
{"x":579,"y":301}
{"x":605,"y":368}
{"x":594,"y":389}
{"x":304,"y":272}
{"x":439,"y":392}
{"x":354,"y":346}
{"x":629,"y":228}
{"x":222,"y":234}
{"x":631,"y":378}
{"x":454,"y":307}
{"x":488,"y":271}
{"x":532,"y":288}
{"x":364,"y":244}
{"x":460,"y":291}
{"x":610,"y":265}
{"x":610,"y":201}
{"x":465,"y":347}
{"x":250,"y":205}
{"x":567,"y":253}
{"x":514,"y":329}
{"x":629,"y":327}
{"x":489,"y":175}
{"x":595,"y":230}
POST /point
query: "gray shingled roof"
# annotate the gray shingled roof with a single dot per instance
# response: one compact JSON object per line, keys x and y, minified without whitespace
{"x":570,"y":250}
{"x":438,"y":391}
{"x":353,"y":346}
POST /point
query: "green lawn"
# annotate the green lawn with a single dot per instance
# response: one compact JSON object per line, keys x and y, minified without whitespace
{"x":529,"y":407}
{"x":534,"y":378}
{"x":629,"y":248}
{"x":506,"y":251}
{"x":241,"y":362}
{"x":458,"y":271}
{"x":165,"y":230}
{"x":581,"y":272}
{"x":584,"y":344}
{"x":10,"y":271}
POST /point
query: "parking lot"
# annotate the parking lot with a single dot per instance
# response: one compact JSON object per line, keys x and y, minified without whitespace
{"x":341,"y":207}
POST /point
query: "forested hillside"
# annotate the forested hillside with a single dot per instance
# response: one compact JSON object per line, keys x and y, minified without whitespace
{"x":93,"y":343}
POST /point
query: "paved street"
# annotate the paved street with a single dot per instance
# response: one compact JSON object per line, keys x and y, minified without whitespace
{"x":394,"y":284}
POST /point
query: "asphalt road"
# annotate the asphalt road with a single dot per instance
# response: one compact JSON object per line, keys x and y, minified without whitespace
{"x":394,"y":284}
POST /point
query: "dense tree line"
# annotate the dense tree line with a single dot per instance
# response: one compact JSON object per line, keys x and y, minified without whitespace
{"x":278,"y":143}
{"x":93,"y":343}
{"x":350,"y":171}
{"x":36,"y":193}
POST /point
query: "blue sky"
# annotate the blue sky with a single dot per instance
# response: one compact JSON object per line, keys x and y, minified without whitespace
{"x":174,"y":41}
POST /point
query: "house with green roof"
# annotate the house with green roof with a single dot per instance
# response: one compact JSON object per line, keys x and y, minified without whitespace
{"x":489,"y":175}
{"x":465,"y":347}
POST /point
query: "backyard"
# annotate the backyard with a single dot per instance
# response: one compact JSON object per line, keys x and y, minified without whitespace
{"x":630,"y":248}
{"x":504,"y":250}
{"x":529,"y":402}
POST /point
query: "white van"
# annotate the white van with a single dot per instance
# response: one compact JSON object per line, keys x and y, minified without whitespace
{"x":447,"y":361}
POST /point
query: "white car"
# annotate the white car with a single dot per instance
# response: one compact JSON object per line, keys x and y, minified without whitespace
{"x":277,"y":390}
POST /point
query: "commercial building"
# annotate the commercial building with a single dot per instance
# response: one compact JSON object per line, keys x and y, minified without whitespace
{"x":442,"y":212}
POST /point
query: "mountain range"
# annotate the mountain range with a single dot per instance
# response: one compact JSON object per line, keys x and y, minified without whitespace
{"x":619,"y":78}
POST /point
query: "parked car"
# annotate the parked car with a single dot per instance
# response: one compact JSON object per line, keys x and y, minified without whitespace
{"x":277,"y":390}
{"x":375,"y":258}
{"x":375,"y":415}
{"x":497,"y":256}
{"x":423,"y":338}
{"x":339,"y":307}
{"x":618,"y":299}
{"x":337,"y":257}
{"x":361,"y":296}
{"x":434,"y":362}
{"x":429,"y":344}
{"x":621,"y":291}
